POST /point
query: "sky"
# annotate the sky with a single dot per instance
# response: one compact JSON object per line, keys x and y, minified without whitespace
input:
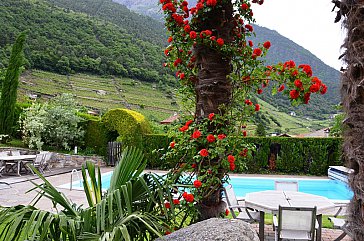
{"x":309,"y":23}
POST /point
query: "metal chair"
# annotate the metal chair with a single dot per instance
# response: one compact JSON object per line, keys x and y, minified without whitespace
{"x":286,"y":185}
{"x":295,"y":223}
{"x":245,"y":214}
{"x":340,"y":223}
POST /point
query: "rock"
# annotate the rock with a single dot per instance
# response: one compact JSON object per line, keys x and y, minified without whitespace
{"x":214,"y":229}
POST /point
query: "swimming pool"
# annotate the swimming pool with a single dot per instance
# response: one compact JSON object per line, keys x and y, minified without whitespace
{"x":332,"y":189}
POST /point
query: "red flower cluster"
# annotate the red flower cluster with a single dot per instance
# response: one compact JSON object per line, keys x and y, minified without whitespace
{"x":185,"y":127}
{"x":306,"y":68}
{"x":294,"y":94}
{"x":211,"y":116}
{"x":172,"y":144}
{"x":167,"y":205}
{"x":211,"y":3}
{"x":204,"y":153}
{"x":257,"y":107}
{"x":210,"y":138}
{"x":220,"y":41}
{"x":188,"y":197}
{"x":196,"y":134}
{"x":267,"y":45}
{"x":197,"y":183}
{"x":221,"y":136}
{"x":231,"y":160}
{"x":176,"y":201}
{"x":245,"y":6}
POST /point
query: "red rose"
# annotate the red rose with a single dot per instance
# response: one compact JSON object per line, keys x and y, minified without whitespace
{"x":193,"y":165}
{"x":183,"y":128}
{"x":177,"y":61}
{"x":294,"y":73}
{"x":189,"y":198}
{"x":244,"y":6}
{"x":189,"y":122}
{"x":167,"y":205}
{"x":199,"y":6}
{"x":249,"y":27}
{"x":281,"y":88}
{"x":213,"y":38}
{"x":232,"y":166}
{"x":184,"y":194}
{"x":170,"y":39}
{"x":193,"y":35}
{"x":298,"y":83}
{"x":211,"y":116}
{"x":267,"y":45}
{"x":257,"y":51}
{"x":204,"y":153}
{"x":211,"y":3}
{"x":250,"y":43}
{"x":210,"y":138}
{"x":196,"y":134}
{"x":172,"y":144}
{"x":316,"y":80}
{"x":314,"y":88}
{"x":259,"y":91}
{"x":197,"y":183}
{"x":244,"y":133}
{"x":294,"y":94}
{"x":257,"y":107}
{"x":221,"y":136}
{"x":231,"y":158}
{"x":227,"y":212}
{"x":176,"y":201}
{"x":187,"y":28}
{"x":306,"y":68}
{"x":184,"y":3}
{"x":220,"y":41}
{"x":166,"y":52}
{"x":244,"y":152}
{"x":323,"y":89}
{"x":167,"y":232}
{"x":248,"y":102}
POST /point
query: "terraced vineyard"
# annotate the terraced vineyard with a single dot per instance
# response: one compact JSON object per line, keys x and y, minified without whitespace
{"x":155,"y":103}
{"x":101,"y":93}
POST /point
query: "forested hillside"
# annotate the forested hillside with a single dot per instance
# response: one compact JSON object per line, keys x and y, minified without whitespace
{"x":64,"y":41}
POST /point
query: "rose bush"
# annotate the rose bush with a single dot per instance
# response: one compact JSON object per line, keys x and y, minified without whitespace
{"x":220,"y":67}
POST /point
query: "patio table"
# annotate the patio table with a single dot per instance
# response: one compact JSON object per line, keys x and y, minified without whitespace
{"x":269,"y":201}
{"x":20,"y":160}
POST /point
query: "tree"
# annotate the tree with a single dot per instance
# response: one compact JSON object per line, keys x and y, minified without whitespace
{"x":219,"y":67}
{"x":10,"y":86}
{"x":352,"y":91}
{"x":338,"y":128}
{"x":260,"y":131}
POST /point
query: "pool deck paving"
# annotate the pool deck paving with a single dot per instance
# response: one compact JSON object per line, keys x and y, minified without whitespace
{"x":13,"y":191}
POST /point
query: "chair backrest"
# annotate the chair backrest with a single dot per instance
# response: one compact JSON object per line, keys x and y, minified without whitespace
{"x":15,"y":153}
{"x":297,"y":218}
{"x":39,"y":157}
{"x":230,"y":195}
{"x":47,"y":156}
{"x":286,"y":185}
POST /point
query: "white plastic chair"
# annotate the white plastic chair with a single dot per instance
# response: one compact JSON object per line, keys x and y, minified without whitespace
{"x":286,"y":185}
{"x":245,"y":214}
{"x":295,"y":223}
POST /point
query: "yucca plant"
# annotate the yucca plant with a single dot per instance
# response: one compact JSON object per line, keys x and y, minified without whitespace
{"x":131,"y":209}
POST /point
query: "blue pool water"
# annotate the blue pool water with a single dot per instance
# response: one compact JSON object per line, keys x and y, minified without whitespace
{"x":332,"y":189}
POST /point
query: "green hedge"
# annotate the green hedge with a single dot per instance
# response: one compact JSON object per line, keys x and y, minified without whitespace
{"x":311,"y":156}
{"x":130,"y":126}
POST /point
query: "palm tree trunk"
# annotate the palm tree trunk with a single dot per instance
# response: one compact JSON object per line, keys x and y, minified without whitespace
{"x":213,"y":88}
{"x":352,"y":91}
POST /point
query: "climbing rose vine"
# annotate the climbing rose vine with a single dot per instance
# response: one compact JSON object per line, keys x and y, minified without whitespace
{"x":209,"y":145}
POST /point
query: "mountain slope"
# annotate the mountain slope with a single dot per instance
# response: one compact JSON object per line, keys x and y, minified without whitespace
{"x":282,"y":49}
{"x":64,"y":41}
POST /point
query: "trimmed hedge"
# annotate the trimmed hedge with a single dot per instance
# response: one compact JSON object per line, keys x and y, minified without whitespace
{"x":130,"y":125}
{"x":311,"y":156}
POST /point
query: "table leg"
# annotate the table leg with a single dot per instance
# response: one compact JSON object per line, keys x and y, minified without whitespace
{"x":19,"y":163}
{"x":261,"y":225}
{"x":319,"y":230}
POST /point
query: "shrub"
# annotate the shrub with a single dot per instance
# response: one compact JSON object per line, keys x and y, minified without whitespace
{"x":55,"y":124}
{"x":96,"y":136}
{"x":130,"y":126}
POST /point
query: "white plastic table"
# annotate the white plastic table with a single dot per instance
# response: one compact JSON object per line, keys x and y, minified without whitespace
{"x":269,"y":201}
{"x":21,"y":159}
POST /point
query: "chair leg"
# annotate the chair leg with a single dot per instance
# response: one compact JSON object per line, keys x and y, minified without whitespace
{"x":341,"y":236}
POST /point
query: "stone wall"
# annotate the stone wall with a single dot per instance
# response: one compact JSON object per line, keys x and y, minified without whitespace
{"x":59,"y":160}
